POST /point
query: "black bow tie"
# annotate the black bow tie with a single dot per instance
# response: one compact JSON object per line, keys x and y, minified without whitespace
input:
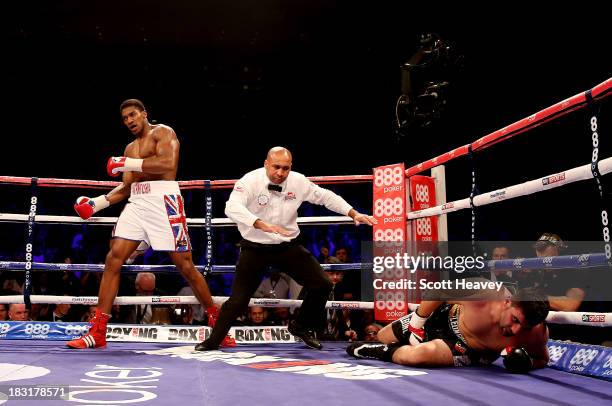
{"x":276,"y":188}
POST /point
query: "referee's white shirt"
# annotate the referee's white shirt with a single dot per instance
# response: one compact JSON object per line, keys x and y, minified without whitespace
{"x":251,"y":200}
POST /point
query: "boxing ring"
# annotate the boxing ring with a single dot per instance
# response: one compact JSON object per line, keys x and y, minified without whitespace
{"x":154,"y":373}
{"x":157,"y":364}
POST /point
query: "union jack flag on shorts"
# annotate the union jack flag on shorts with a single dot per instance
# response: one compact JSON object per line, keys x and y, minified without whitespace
{"x":178,"y":222}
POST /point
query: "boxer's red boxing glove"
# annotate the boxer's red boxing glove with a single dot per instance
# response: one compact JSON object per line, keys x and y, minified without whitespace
{"x":86,"y":207}
{"x":118,"y":164}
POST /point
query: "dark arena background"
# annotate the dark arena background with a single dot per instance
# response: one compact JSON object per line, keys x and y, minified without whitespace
{"x":346,"y":86}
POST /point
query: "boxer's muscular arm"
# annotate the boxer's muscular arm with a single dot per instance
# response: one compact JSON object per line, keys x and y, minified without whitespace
{"x":85,"y":206}
{"x":537,"y":345}
{"x":166,"y":153}
{"x":122,"y":191}
{"x":528,"y":350}
{"x":569,"y":303}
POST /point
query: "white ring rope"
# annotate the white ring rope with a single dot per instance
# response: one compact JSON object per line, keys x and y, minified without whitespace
{"x":575,"y":318}
{"x":193,"y":222}
{"x":174,"y":300}
{"x":521,"y":189}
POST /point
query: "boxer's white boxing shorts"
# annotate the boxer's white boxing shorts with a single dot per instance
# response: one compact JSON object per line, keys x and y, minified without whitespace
{"x":155,"y":214}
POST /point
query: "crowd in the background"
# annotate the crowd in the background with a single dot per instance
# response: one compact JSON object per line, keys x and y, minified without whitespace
{"x":567,"y":290}
{"x":341,"y":324}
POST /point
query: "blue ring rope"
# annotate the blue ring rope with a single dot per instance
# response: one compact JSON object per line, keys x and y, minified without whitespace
{"x":559,"y":262}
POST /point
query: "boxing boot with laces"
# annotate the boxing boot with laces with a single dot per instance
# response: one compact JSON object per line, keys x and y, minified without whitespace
{"x":96,"y":337}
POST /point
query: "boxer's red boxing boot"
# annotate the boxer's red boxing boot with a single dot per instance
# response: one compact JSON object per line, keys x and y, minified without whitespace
{"x":96,"y":338}
{"x":228,"y":342}
{"x":213,"y":315}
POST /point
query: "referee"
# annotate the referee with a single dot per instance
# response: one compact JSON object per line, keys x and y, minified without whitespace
{"x":264,"y":205}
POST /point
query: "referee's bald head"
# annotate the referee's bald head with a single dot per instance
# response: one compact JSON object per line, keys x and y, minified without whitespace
{"x":278,"y":152}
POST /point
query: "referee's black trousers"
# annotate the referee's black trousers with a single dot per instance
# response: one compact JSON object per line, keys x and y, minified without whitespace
{"x":291,"y":258}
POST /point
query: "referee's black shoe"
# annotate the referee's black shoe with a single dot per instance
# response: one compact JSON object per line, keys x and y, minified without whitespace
{"x":306,"y":335}
{"x":205,"y":346}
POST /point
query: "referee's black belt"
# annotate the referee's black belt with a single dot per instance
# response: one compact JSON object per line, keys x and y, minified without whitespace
{"x":257,"y":245}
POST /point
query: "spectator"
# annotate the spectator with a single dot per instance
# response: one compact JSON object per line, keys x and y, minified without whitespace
{"x":370,"y":332}
{"x":116,"y":312}
{"x":18,"y":312}
{"x":183,"y":315}
{"x":342,"y":254}
{"x":351,"y":282}
{"x":340,"y":291}
{"x":3,"y":311}
{"x":340,"y":323}
{"x":89,"y":314}
{"x":146,"y":313}
{"x":565,"y":289}
{"x":280,"y":316}
{"x":45,"y":283}
{"x":257,"y":316}
{"x":69,"y":283}
{"x":343,"y":325}
{"x":60,"y":313}
{"x":195,"y":315}
{"x":14,"y":284}
{"x":40,"y":311}
{"x":368,"y":317}
{"x":325,"y":258}
{"x":498,"y":253}
{"x":323,"y":254}
{"x":90,"y":282}
{"x":275,"y":286}
{"x":331,"y":260}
